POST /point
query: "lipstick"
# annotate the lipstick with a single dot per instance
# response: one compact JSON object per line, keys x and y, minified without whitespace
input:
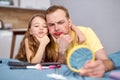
{"x":57,"y":33}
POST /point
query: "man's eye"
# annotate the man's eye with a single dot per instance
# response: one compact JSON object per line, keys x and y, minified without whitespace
{"x":50,"y":25}
{"x":60,"y":22}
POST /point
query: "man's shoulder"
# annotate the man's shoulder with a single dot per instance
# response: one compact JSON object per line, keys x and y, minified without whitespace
{"x":85,"y":30}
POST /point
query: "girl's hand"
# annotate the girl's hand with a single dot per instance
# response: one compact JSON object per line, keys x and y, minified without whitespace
{"x":79,"y":35}
{"x":44,"y":40}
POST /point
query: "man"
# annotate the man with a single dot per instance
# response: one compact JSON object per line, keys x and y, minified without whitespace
{"x":59,"y":24}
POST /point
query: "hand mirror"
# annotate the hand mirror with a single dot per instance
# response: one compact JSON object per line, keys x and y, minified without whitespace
{"x":78,"y":56}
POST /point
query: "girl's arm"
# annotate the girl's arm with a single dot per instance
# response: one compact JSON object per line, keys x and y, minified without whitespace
{"x":39,"y":54}
{"x":79,"y":35}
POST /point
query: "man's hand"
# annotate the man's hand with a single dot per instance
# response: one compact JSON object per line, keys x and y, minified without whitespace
{"x":93,"y":69}
{"x":64,"y":42}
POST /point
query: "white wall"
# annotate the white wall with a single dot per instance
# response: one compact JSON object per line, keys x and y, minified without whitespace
{"x":5,"y":43}
{"x":102,"y":15}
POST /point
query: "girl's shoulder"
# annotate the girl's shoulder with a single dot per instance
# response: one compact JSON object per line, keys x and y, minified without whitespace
{"x":26,"y":39}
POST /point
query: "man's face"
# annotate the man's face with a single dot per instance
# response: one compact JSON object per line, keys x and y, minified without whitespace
{"x":58,"y":23}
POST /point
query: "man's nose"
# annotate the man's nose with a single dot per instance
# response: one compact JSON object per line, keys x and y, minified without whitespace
{"x":56,"y":27}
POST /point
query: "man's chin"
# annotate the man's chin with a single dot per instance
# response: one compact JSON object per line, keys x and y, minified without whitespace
{"x":57,"y":37}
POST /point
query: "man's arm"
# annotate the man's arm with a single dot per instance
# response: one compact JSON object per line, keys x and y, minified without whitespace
{"x":98,"y":67}
{"x":101,"y":55}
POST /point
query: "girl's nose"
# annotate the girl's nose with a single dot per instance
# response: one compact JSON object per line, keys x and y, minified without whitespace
{"x":41,"y":28}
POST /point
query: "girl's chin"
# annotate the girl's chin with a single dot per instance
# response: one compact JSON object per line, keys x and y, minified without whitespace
{"x":40,"y":36}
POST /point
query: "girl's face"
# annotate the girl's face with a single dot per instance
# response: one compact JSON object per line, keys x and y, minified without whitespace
{"x":38,"y":27}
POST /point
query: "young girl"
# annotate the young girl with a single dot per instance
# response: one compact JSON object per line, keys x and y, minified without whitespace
{"x":35,"y":40}
{"x":36,"y":46}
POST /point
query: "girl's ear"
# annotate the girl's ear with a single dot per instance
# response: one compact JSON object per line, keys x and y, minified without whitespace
{"x":30,"y":31}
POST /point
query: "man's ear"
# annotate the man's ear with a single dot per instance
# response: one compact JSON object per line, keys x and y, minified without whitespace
{"x":70,"y":22}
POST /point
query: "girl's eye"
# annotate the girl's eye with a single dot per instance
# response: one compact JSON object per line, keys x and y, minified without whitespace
{"x":36,"y":26}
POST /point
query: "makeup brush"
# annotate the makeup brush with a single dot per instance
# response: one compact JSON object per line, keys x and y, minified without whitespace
{"x":37,"y":66}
